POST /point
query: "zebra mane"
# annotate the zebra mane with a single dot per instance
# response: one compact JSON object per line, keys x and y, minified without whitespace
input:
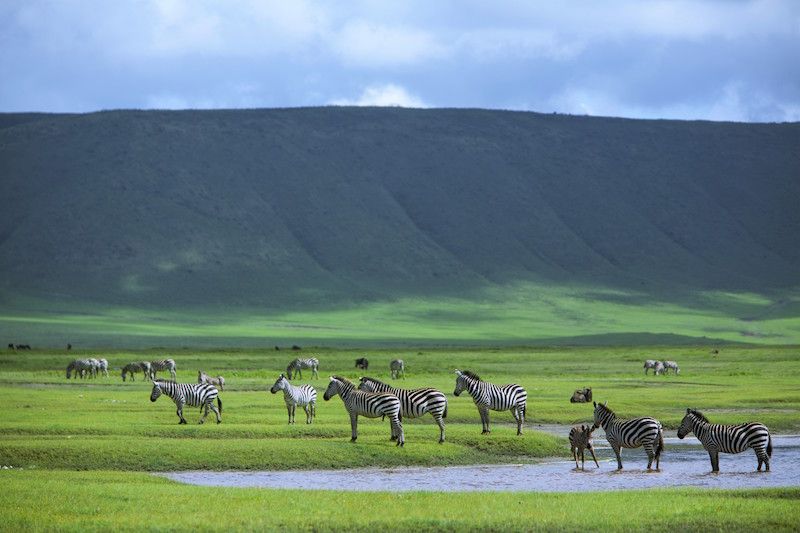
{"x":373,"y":380}
{"x":160,"y":380}
{"x":344,"y":380}
{"x":471,"y":374}
{"x":698,"y":414}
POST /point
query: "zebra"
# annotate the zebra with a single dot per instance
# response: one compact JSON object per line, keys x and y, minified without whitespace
{"x":298,"y":364}
{"x":164,"y":364}
{"x":649,"y":364}
{"x":132,"y":368}
{"x":369,"y":404}
{"x":718,"y":438}
{"x":218,"y":381}
{"x":631,"y":433}
{"x":103,"y":367}
{"x":305,"y":396}
{"x":397,"y":367}
{"x":194,"y":394}
{"x":413,"y":403}
{"x":80,"y":367}
{"x":95,"y":367}
{"x":490,"y":396}
{"x":671,"y":365}
{"x":580,"y":438}
{"x":659,"y":368}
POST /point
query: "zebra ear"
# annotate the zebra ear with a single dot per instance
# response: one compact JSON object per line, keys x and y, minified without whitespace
{"x":595,"y":404}
{"x":458,"y":372}
{"x":605,"y":404}
{"x":332,"y":378}
{"x":688,"y":410}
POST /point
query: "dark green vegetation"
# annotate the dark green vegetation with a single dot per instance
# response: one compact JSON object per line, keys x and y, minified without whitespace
{"x":439,"y":225}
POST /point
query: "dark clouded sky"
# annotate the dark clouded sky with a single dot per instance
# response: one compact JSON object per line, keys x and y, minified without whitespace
{"x":716,"y":60}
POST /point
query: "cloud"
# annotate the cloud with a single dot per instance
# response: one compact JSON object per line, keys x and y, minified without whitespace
{"x":362,"y":43}
{"x":387,"y":95}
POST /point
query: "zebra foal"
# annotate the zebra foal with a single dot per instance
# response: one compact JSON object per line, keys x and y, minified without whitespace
{"x":414,"y":403}
{"x":193,"y":394}
{"x":495,"y":397}
{"x":305,"y":396}
{"x":218,"y":381}
{"x":737,"y":438}
{"x":368,"y":404}
{"x":645,"y":432}
{"x":299,"y":364}
{"x":580,"y":439}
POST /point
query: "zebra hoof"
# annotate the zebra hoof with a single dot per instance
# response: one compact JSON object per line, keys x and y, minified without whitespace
{"x":219,"y":421}
{"x":353,"y":439}
{"x":441,"y":441}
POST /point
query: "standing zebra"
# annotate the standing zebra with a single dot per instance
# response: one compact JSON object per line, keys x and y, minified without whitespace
{"x":631,"y":433}
{"x":659,"y":368}
{"x":397,"y":367}
{"x":103,"y":367}
{"x":218,"y":381}
{"x":305,"y":396}
{"x":495,"y":397}
{"x":737,"y":438}
{"x":671,"y":365}
{"x":298,"y":364}
{"x":413,"y":403}
{"x":580,"y":438}
{"x":132,"y":368}
{"x":648,"y":365}
{"x":80,"y":367}
{"x":369,"y":404}
{"x":194,"y":394}
{"x":164,"y":364}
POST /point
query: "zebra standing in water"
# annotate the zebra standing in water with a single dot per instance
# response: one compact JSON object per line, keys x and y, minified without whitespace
{"x":718,"y":438}
{"x":369,"y":404}
{"x":305,"y":396}
{"x":132,"y":368}
{"x":631,"y":433}
{"x":580,"y":439}
{"x":298,"y":364}
{"x":413,"y":403}
{"x":495,"y":397}
{"x":80,"y":367}
{"x":193,"y":394}
{"x":397,"y":367}
{"x":164,"y":364}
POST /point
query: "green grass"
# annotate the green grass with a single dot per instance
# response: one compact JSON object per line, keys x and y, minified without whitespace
{"x":131,"y":501}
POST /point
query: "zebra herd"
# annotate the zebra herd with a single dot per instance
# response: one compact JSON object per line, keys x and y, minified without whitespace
{"x":87,"y":368}
{"x":661,"y":367}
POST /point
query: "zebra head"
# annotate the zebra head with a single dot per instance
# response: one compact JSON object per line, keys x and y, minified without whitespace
{"x":601,"y":413}
{"x":692,"y":417}
{"x":366,"y":384}
{"x":70,"y":367}
{"x":332,"y":390}
{"x":156,"y":391}
{"x":280,"y":384}
{"x":461,"y":383}
{"x":289,"y":370}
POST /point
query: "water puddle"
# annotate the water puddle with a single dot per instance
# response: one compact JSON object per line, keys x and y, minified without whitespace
{"x":683,"y":464}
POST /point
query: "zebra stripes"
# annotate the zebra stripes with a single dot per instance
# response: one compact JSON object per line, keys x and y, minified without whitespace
{"x":650,"y":364}
{"x":414,"y":403}
{"x":192,"y":394}
{"x":305,"y":396}
{"x":580,"y":439}
{"x":299,"y":364}
{"x":718,"y":438}
{"x":495,"y":397}
{"x":132,"y":368}
{"x":397,"y":367}
{"x":81,"y":367}
{"x":368,"y":404}
{"x":164,"y":364}
{"x":632,"y":433}
{"x":671,"y":365}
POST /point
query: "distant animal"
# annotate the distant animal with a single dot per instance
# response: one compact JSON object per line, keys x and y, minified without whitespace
{"x":581,"y":395}
{"x":303,"y":395}
{"x":218,"y":381}
{"x":671,"y":365}
{"x":649,"y":364}
{"x":488,"y":396}
{"x":296,"y":366}
{"x":737,"y":438}
{"x":103,"y":367}
{"x":81,"y":368}
{"x":715,"y":351}
{"x":23,"y":347}
{"x":414,"y":403}
{"x":95,"y":367}
{"x":192,"y":394}
{"x":362,"y":363}
{"x":69,"y":347}
{"x":368,"y":404}
{"x":296,"y":347}
{"x":580,"y":438}
{"x":132,"y":368}
{"x":10,"y":346}
{"x":396,"y":368}
{"x":644,"y":431}
{"x":659,"y":368}
{"x":164,"y":364}
{"x":277,"y":349}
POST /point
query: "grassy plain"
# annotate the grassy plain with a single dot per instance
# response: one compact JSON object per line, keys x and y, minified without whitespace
{"x":90,"y":441}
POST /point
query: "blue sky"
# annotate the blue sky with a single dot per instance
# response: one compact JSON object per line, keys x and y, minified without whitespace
{"x":714,"y":60}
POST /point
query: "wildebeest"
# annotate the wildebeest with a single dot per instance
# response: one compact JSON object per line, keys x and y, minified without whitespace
{"x":69,"y":346}
{"x":362,"y":363}
{"x":23,"y":347}
{"x":296,"y":347}
{"x":581,"y":395}
{"x":277,"y":349}
{"x":10,"y":346}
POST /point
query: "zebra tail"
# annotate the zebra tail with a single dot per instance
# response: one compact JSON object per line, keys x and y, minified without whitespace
{"x":660,"y":446}
{"x":444,"y":415}
{"x":769,"y":445}
{"x":219,"y":404}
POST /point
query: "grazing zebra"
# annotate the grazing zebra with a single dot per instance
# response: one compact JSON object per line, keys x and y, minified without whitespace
{"x":397,"y":367}
{"x":95,"y":367}
{"x":195,"y":394}
{"x":132,"y":368}
{"x":298,"y":364}
{"x":369,"y":404}
{"x":580,"y":438}
{"x":631,"y":433}
{"x":80,"y":367}
{"x":362,"y":363}
{"x":659,"y":368}
{"x":164,"y":364}
{"x":218,"y":381}
{"x":490,"y":396}
{"x":649,"y":364}
{"x":671,"y":365}
{"x":305,"y":396}
{"x":103,"y":366}
{"x":413,"y":403}
{"x":737,"y":438}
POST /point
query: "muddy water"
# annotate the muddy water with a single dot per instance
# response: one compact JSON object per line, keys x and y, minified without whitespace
{"x":683,"y":464}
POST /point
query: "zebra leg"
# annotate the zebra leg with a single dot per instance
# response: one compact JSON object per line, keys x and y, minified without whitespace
{"x":484,"y":412}
{"x":648,"y":448}
{"x":616,"y":449}
{"x":180,"y":414}
{"x":353,"y":427}
{"x":313,"y":412}
{"x":289,"y":413}
{"x":307,"y":409}
{"x":591,"y":450}
{"x":583,"y":459}
{"x":574,"y":451}
{"x":397,"y":427}
{"x":714,"y":461}
{"x":204,"y":410}
{"x":440,"y":421}
{"x":519,"y":417}
{"x":216,"y":412}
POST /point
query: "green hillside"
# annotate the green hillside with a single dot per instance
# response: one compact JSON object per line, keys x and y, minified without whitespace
{"x":215,"y":216}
